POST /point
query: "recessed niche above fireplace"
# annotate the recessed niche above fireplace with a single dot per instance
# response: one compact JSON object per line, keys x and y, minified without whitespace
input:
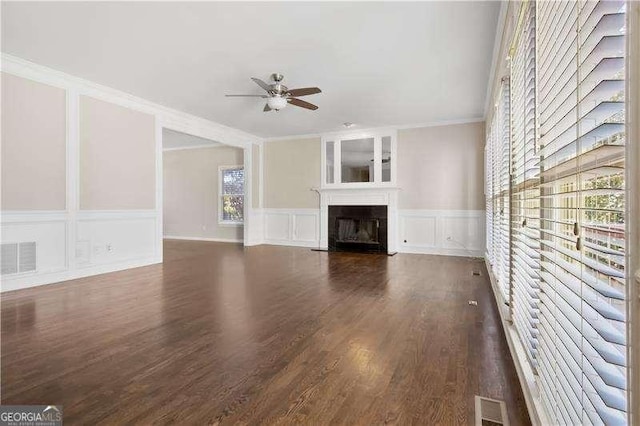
{"x":364,"y":159}
{"x":357,"y":228}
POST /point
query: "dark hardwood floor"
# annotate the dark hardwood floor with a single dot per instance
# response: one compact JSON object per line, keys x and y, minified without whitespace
{"x":223,"y":334}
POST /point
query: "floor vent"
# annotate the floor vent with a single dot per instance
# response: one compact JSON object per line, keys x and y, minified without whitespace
{"x":18,"y":257}
{"x":476,"y":273}
{"x":491,"y":412}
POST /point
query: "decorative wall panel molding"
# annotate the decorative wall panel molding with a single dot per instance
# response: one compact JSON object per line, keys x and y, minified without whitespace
{"x":445,"y":232}
{"x":104,"y":241}
{"x":291,"y":227}
{"x":442,"y":232}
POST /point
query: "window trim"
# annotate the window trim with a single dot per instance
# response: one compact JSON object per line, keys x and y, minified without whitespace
{"x":221,"y":221}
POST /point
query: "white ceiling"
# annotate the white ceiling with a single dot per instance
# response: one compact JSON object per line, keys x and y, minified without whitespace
{"x":178,"y":140}
{"x":377,"y":64}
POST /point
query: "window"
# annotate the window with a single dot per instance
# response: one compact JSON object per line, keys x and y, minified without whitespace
{"x":525,"y":188}
{"x":497,"y":166}
{"x":583,"y":278}
{"x":567,"y":280}
{"x":231,"y":198}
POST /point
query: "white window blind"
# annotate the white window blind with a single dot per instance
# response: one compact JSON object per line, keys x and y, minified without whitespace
{"x":488,"y":191}
{"x":498,"y":187}
{"x":525,"y":189}
{"x":581,"y":109}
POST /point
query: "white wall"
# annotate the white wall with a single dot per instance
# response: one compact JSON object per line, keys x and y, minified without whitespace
{"x":110,"y":236}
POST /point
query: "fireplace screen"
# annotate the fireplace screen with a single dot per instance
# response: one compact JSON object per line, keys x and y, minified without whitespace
{"x":351,"y":230}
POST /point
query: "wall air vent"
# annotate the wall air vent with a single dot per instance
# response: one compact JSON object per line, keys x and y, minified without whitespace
{"x":18,"y":257}
{"x":27,"y":257}
{"x":9,"y":260}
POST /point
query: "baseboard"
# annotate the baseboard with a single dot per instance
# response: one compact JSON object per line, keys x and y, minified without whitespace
{"x":439,"y":251}
{"x":310,"y":244}
{"x":526,"y":376}
{"x":217,"y":240}
{"x":28,"y":281}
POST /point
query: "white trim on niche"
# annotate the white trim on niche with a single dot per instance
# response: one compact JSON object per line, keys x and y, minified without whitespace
{"x":377,"y":135}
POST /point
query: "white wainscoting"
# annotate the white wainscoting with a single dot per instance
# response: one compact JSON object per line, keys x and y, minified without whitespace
{"x":443,"y":232}
{"x":291,"y":227}
{"x":446,"y":232}
{"x":87,"y":243}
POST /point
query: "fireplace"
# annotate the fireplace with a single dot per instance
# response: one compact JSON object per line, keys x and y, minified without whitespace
{"x":358,"y":228}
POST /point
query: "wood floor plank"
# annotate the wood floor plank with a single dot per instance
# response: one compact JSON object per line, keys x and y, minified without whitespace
{"x":221,"y":334}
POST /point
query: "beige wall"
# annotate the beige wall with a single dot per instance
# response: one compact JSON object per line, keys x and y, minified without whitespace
{"x":441,"y":168}
{"x":117,"y":157}
{"x":190,"y":192}
{"x":33,"y":145}
{"x":291,"y":169}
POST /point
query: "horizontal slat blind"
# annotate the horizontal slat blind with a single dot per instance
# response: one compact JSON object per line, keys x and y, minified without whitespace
{"x":488,"y":191}
{"x":582,"y":356}
{"x":498,"y":203}
{"x":525,"y":191}
{"x":502,"y":148}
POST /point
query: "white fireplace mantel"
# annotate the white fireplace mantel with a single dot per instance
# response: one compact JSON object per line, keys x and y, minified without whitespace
{"x":360,"y":196}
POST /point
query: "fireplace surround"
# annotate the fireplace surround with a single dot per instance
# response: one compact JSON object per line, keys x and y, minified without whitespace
{"x":360,"y":228}
{"x":357,"y":195}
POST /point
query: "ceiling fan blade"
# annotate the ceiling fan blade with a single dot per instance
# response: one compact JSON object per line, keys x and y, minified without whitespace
{"x":267,"y":108}
{"x":261,"y":83}
{"x":303,"y":104}
{"x":304,"y":91}
{"x":246,"y":96}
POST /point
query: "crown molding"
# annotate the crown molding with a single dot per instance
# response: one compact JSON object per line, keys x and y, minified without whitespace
{"x":355,"y":129}
{"x":169,"y":118}
{"x":212,"y":145}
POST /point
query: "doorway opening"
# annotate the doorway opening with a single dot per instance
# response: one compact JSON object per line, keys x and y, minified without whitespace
{"x":203,"y":189}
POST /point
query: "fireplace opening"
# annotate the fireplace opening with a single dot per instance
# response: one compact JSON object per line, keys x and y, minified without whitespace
{"x":363,"y":231}
{"x":358,"y":228}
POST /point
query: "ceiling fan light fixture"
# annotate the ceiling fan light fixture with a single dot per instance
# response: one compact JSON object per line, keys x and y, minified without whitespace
{"x":277,"y":102}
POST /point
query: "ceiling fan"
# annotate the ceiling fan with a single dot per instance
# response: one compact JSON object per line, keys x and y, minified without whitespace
{"x":278,"y":95}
